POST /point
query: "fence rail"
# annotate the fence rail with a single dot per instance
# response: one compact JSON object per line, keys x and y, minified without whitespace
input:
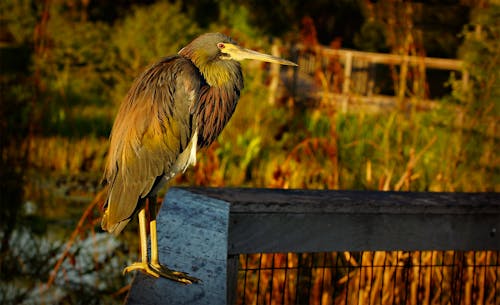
{"x":205,"y":231}
{"x":391,"y":59}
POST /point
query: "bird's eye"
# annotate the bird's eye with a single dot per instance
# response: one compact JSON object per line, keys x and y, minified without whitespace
{"x":221,"y":45}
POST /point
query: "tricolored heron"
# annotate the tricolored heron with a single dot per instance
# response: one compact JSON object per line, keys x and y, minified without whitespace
{"x":175,"y":107}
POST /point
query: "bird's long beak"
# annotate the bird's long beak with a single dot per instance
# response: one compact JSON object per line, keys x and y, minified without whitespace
{"x":238,"y":53}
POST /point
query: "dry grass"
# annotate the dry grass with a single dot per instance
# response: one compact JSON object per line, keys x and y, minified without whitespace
{"x":66,"y":155}
{"x":396,"y":277}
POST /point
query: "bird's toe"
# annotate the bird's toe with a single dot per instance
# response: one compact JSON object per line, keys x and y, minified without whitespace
{"x":170,"y":274}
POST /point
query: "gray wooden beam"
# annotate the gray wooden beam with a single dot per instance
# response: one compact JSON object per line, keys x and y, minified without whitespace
{"x":192,"y":237}
{"x":272,"y":220}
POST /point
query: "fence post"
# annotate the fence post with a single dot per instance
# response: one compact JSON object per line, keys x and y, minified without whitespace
{"x":275,"y":76}
{"x":403,"y":73}
{"x":346,"y":87}
{"x":232,"y":278}
{"x":193,"y":233}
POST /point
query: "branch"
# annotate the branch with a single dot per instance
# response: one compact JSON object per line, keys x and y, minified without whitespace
{"x":98,"y":199}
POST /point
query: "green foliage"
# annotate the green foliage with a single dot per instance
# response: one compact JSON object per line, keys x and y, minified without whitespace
{"x":371,"y":37}
{"x":144,"y":36}
{"x":88,"y":66}
{"x":332,"y":18}
{"x":481,"y":53}
{"x":151,"y":32}
{"x":19,"y":18}
{"x":79,"y":67}
{"x":237,"y":18}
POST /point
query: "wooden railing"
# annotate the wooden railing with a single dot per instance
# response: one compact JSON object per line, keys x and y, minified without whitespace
{"x":356,"y":78}
{"x":202,"y":231}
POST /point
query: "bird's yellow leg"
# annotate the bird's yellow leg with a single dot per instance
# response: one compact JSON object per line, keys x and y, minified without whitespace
{"x":161,"y":270}
{"x":143,"y":265}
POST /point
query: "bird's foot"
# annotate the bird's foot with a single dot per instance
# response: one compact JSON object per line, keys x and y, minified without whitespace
{"x":157,"y":270}
{"x":143,"y":267}
{"x":173,"y":275}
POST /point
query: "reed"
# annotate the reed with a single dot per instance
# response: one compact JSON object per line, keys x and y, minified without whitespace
{"x":67,"y":155}
{"x":378,"y":277}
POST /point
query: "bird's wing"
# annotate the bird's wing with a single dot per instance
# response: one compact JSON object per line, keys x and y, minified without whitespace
{"x":153,"y":126}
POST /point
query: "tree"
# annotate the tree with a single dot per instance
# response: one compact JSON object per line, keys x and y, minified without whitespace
{"x":481,"y":54}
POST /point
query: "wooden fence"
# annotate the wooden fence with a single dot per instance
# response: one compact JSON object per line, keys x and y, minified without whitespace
{"x":348,"y":77}
{"x":203,"y":231}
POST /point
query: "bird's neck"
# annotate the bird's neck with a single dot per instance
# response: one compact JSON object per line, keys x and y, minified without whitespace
{"x":218,"y":100}
{"x":218,"y":95}
{"x":221,"y":73}
{"x":216,"y":72}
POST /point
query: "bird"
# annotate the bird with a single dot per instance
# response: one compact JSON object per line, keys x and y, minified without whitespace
{"x":175,"y":107}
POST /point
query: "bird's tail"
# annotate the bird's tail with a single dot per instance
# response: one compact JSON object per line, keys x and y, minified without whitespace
{"x":116,"y":228}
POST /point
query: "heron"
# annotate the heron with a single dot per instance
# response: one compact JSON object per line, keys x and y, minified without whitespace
{"x":176,"y":107}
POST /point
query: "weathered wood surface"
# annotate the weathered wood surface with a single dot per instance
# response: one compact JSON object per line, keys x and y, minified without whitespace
{"x":271,"y":220}
{"x":192,"y":237}
{"x":202,"y":230}
{"x":255,"y":200}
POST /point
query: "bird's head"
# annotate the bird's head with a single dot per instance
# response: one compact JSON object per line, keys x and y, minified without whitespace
{"x":212,"y":52}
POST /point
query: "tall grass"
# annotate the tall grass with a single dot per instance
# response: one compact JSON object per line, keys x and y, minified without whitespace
{"x":68,"y":156}
{"x":370,"y":277}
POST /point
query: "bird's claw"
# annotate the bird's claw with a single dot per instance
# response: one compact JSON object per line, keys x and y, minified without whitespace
{"x":157,"y":270}
{"x":143,"y":267}
{"x":177,"y":276}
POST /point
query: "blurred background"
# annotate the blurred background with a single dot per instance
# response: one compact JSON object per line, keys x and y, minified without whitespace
{"x":342,"y":120}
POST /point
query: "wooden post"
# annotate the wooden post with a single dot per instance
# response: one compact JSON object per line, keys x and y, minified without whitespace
{"x":347,"y":81}
{"x":275,"y":76}
{"x":192,"y":233}
{"x":402,"y":83}
{"x":232,"y":278}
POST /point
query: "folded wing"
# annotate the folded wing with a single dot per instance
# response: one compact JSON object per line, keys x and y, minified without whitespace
{"x":154,"y":126}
